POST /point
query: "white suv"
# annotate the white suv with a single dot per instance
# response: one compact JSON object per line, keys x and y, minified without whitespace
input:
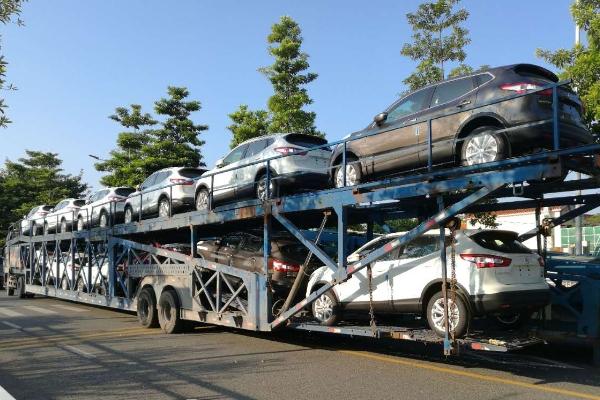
{"x":495,"y":273}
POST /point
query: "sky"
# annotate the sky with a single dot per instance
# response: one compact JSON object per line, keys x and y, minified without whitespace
{"x":75,"y":61}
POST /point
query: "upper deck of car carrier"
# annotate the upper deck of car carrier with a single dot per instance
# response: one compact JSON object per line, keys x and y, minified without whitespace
{"x":219,"y":294}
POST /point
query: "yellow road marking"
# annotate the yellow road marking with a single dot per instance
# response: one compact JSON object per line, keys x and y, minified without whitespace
{"x":41,"y":341}
{"x":474,"y":375}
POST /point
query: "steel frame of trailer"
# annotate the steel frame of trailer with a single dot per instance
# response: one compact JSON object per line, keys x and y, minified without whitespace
{"x":221,"y":295}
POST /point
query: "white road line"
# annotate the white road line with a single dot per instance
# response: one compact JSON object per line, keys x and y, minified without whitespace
{"x":40,"y":310}
{"x":75,"y":350}
{"x":15,"y":326}
{"x":10,"y":313}
{"x":4,"y":395}
{"x":65,"y":307}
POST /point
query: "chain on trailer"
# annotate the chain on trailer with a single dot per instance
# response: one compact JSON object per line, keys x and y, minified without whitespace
{"x":372,"y":322}
{"x":453,"y":225}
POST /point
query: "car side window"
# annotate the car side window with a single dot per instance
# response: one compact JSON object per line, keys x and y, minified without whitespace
{"x":161,"y":177}
{"x":411,"y":104}
{"x":149,"y":181}
{"x":483,"y":78}
{"x":232,"y":242}
{"x":60,"y":205}
{"x":452,"y":90}
{"x":423,"y":246}
{"x":33,"y":211}
{"x":255,"y":147}
{"x":236,"y":155}
{"x":252,"y":244}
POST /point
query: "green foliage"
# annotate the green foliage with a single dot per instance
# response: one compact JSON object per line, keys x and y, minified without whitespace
{"x":581,"y":63}
{"x":9,"y":9}
{"x":247,"y":124}
{"x":147,"y":149}
{"x":33,"y":180}
{"x":438,"y":37}
{"x":288,"y":79}
{"x":464,"y":69}
{"x":396,"y":225}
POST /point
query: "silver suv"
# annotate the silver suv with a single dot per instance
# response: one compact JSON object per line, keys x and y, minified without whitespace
{"x":161,"y":190}
{"x":34,"y":220}
{"x":62,"y":217}
{"x":103,"y":207}
{"x":230,"y":180}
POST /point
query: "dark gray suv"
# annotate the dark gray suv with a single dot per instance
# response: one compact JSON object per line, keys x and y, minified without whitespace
{"x":468,"y":137}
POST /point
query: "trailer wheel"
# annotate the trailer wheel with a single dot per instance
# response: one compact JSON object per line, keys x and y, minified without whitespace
{"x":458,"y":319}
{"x":168,"y":312}
{"x":326,"y":309}
{"x":146,"y":309}
{"x":20,"y":287}
{"x":10,"y":291}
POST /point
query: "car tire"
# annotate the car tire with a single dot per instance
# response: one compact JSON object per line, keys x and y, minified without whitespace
{"x":483,"y":145}
{"x":147,"y":313}
{"x":63,"y":226}
{"x":103,"y":219}
{"x":80,"y":286}
{"x":326,"y":309}
{"x":164,"y":207}
{"x":202,"y":200}
{"x":128,"y":217}
{"x":10,"y":291}
{"x":512,"y":321}
{"x":64,"y":284}
{"x":353,"y":173}
{"x":261,"y":184}
{"x":435,"y":315}
{"x":168,"y":313}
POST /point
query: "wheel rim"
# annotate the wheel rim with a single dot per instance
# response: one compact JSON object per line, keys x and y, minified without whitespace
{"x":323,"y":308}
{"x":163,"y":209}
{"x":481,"y":149}
{"x":351,"y":176}
{"x":128,"y":216}
{"x":80,"y":224}
{"x":103,"y":221}
{"x":437,"y":314}
{"x":63,"y":226}
{"x":202,"y":201}
{"x":261,"y":192}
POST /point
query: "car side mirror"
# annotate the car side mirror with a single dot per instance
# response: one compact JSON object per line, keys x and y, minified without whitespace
{"x":138,"y":188}
{"x":220,"y":163}
{"x":352,"y":258}
{"x":380,"y":118}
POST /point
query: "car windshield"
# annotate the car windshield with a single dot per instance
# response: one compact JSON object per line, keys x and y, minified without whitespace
{"x":305,"y":140}
{"x":124,"y":191}
{"x":191,"y":172}
{"x":502,"y":241}
{"x":79,"y":203}
{"x":47,"y":208}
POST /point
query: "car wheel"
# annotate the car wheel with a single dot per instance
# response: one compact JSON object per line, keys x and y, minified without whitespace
{"x":128,"y":215}
{"x":483,"y":145}
{"x":10,"y":291}
{"x":34,"y":230}
{"x":458,"y":318}
{"x":64,"y":284}
{"x":202,"y":200}
{"x":63,"y":226}
{"x":511,"y":321}
{"x":164,"y":208}
{"x":168,"y":312}
{"x":325,"y":309}
{"x":81,"y":286}
{"x":80,"y":225}
{"x":103,"y":222}
{"x":353,"y":173}
{"x":146,"y":309}
{"x":261,"y":188}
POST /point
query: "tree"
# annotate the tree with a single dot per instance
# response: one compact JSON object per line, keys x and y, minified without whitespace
{"x":288,"y":79}
{"x":9,"y":9}
{"x":141,"y":152}
{"x":432,"y":46}
{"x":176,"y":142}
{"x":248,"y":124}
{"x":126,"y":164}
{"x":33,"y":180}
{"x":581,"y":63}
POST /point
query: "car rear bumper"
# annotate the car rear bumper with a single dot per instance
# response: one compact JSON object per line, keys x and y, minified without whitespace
{"x":539,"y":135}
{"x":510,"y":301}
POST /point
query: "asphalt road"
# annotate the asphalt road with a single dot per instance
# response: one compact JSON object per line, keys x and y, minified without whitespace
{"x":51,"y":349}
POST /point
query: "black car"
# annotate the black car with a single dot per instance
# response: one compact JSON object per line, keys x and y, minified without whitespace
{"x":466,"y":137}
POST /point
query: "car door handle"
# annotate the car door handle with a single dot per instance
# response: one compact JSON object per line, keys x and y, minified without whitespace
{"x":411,"y":120}
{"x":463,"y":103}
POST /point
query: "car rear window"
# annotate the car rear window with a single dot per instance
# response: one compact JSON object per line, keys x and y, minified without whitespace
{"x":79,"y":203}
{"x":191,"y":172}
{"x":124,"y":191}
{"x":294,"y":251}
{"x":305,"y":140}
{"x":502,"y":241}
{"x":47,"y":208}
{"x":531,"y":71}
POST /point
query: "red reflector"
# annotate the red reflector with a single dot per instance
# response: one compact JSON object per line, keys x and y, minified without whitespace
{"x":280,"y":266}
{"x":486,"y":260}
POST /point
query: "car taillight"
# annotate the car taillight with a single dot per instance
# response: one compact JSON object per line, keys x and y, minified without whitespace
{"x":114,"y":198}
{"x":181,"y":181}
{"x":281,"y":266}
{"x":541,"y":261}
{"x":486,"y":260}
{"x":522,"y":87}
{"x":290,"y":150}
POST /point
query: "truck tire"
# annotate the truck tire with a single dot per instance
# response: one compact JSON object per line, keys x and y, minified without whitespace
{"x":10,"y":291}
{"x":168,"y":312}
{"x":146,"y":309}
{"x":20,"y":287}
